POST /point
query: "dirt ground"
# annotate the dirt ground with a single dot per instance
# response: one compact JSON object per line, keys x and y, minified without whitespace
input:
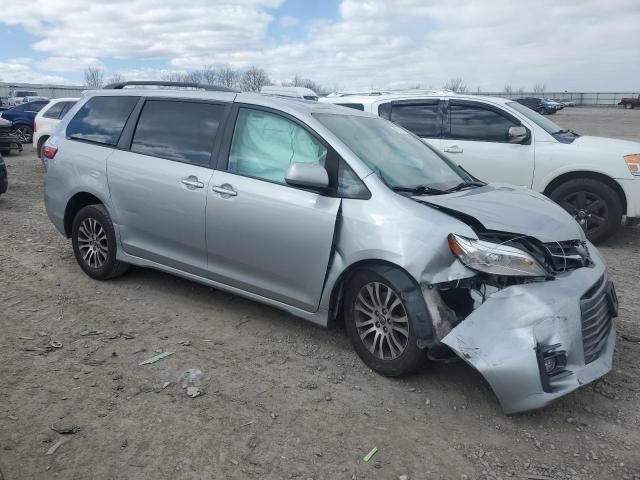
{"x":282,"y":399}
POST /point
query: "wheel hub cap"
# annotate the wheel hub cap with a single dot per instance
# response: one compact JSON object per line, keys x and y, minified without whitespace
{"x":589,"y":210}
{"x":92,"y":243}
{"x":381,"y":321}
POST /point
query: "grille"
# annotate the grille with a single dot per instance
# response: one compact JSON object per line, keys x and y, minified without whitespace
{"x":597,"y":309}
{"x":568,"y":255}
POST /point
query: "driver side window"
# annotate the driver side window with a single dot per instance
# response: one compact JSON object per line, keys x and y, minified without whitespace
{"x":474,"y":122}
{"x":265,"y":144}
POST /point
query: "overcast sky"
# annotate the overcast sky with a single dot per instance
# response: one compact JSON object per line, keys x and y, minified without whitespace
{"x":577,"y":45}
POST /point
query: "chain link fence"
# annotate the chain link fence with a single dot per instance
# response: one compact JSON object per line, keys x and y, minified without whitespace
{"x":580,"y":98}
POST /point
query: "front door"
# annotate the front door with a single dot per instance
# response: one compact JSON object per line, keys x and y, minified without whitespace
{"x":159,"y":187}
{"x":475,"y":136}
{"x":264,"y":236}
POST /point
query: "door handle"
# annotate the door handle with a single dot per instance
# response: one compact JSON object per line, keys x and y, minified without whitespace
{"x":192,"y":182}
{"x":453,"y":149}
{"x":225,"y":190}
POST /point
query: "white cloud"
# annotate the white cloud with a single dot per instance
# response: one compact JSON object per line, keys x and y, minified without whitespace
{"x":588,"y":45}
{"x":21,"y":70}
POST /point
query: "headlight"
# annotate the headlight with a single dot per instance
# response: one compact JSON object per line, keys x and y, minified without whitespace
{"x":633,"y":163}
{"x":494,"y":258}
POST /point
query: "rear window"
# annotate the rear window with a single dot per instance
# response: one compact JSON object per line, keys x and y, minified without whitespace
{"x":101,"y":119}
{"x":355,"y":106}
{"x":55,"y":110}
{"x":180,"y":131}
{"x":420,"y":119}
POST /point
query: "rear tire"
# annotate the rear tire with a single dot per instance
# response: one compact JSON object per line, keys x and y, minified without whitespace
{"x":379,"y":325}
{"x":94,"y":243}
{"x":628,"y":106}
{"x":25,"y":133}
{"x":594,"y":205}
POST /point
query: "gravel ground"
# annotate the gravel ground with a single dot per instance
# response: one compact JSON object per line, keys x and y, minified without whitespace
{"x":281,"y":399}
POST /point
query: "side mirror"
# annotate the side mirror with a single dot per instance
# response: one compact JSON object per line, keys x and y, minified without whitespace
{"x":516,"y":134}
{"x":307,"y":175}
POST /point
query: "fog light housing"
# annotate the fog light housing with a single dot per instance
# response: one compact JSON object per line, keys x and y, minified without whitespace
{"x":551,"y":364}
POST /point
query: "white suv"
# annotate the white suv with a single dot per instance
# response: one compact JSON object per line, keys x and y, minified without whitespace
{"x":499,"y":140}
{"x":47,"y":120}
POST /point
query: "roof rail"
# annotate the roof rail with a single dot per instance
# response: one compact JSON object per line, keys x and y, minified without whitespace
{"x":411,"y":91}
{"x":156,"y":83}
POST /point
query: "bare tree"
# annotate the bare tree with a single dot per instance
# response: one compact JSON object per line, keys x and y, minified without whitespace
{"x":299,"y":81}
{"x":539,"y":88}
{"x":520,"y":91}
{"x":507,"y":89}
{"x":116,"y":78}
{"x":227,"y":77}
{"x":457,"y":85}
{"x":94,"y":77}
{"x":253,"y":79}
{"x":173,"y":77}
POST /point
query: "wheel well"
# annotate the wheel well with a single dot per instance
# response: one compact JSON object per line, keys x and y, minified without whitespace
{"x":593,"y":175}
{"x":337,"y":293}
{"x":78,"y":201}
{"x":41,"y":141}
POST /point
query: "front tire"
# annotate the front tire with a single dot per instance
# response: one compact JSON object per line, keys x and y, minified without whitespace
{"x":380,"y":326}
{"x":94,"y":243}
{"x":628,"y":106}
{"x":594,"y":205}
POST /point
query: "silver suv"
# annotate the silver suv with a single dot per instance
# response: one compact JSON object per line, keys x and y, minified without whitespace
{"x":331,"y":213}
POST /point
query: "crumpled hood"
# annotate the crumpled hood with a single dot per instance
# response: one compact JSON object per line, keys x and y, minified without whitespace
{"x":608,"y":145}
{"x":510,"y":209}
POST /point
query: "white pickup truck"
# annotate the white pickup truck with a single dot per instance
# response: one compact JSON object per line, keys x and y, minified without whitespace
{"x":595,"y":179}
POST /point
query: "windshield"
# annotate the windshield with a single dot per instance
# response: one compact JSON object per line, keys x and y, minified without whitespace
{"x":26,"y":94}
{"x":543,"y":122}
{"x":398,"y":157}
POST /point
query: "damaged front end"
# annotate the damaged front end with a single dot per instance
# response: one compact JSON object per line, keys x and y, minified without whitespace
{"x":537,"y":323}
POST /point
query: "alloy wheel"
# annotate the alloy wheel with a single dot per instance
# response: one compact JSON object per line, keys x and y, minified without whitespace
{"x":589,"y":209}
{"x":92,"y":243}
{"x":23,"y":133}
{"x":381,"y":321}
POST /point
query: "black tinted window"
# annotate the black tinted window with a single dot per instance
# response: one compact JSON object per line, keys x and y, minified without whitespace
{"x":55,"y":111}
{"x":476,"y":123}
{"x":101,"y":119}
{"x":34,"y":107}
{"x":420,"y":119}
{"x":181,"y":131}
{"x":355,"y":106}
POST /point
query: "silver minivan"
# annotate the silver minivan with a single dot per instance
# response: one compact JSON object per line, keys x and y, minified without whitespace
{"x":335,"y":214}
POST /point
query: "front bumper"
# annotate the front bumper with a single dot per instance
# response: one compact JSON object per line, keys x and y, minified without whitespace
{"x":500,"y":338}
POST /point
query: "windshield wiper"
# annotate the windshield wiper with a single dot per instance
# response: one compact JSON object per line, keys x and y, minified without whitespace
{"x":420,"y":190}
{"x":462,"y":185}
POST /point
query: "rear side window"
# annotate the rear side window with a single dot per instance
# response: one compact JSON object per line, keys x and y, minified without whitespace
{"x":470,"y":122}
{"x":180,"y":131}
{"x":55,"y":111}
{"x":101,"y":119}
{"x":422,"y":120}
{"x":355,"y":106}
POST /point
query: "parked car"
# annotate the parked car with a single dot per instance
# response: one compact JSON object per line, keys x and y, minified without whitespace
{"x":22,"y":117}
{"x":293,"y":92}
{"x":540,"y":105}
{"x":630,"y":102}
{"x":18,"y":97}
{"x":4,"y":176}
{"x":499,"y":140}
{"x":47,"y":119}
{"x":566,"y":103}
{"x":9,"y":141}
{"x":554,"y":104}
{"x":328,"y":213}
